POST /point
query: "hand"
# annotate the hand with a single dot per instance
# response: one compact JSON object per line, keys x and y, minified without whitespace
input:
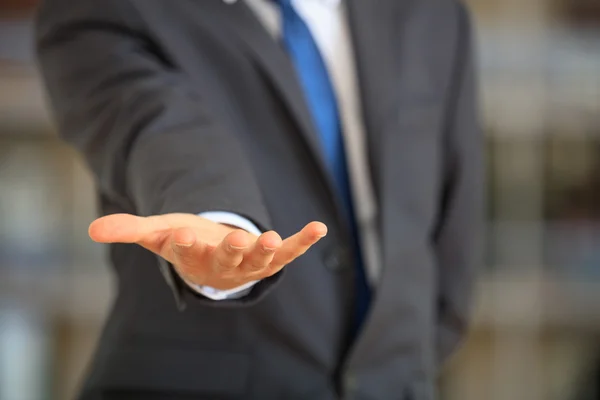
{"x":205,"y":252}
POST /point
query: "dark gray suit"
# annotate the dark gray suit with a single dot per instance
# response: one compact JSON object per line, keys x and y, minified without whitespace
{"x":191,"y":106}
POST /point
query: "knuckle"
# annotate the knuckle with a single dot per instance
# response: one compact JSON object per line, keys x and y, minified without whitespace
{"x":272,"y":270}
{"x":223,"y":262}
{"x":265,"y":251}
{"x":226,"y":264}
{"x":256,"y":265}
{"x":230,"y":250}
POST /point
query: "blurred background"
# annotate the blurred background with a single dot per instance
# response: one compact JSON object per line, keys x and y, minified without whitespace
{"x":537,"y":329}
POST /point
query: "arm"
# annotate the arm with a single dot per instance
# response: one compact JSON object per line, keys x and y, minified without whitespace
{"x":458,"y":237}
{"x":155,"y":148}
{"x":151,"y":141}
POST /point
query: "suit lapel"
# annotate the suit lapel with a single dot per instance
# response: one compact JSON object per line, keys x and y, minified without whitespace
{"x":372,"y":25}
{"x":376,"y":27}
{"x":271,"y":57}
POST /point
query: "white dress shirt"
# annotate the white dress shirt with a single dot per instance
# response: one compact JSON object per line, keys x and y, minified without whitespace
{"x":328,"y":24}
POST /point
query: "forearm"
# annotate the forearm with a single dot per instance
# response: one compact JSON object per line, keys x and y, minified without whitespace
{"x":185,"y":171}
{"x":148,"y":135}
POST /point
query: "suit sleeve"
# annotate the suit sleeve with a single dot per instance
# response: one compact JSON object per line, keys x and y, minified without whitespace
{"x":147,"y":133}
{"x":458,"y":236}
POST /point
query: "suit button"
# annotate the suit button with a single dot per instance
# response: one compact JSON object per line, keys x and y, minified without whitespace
{"x":337,"y":259}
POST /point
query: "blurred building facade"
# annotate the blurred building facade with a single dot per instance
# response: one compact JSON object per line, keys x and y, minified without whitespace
{"x":537,"y":327}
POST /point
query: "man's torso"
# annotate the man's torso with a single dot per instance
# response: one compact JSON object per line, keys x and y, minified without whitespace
{"x":294,"y":343}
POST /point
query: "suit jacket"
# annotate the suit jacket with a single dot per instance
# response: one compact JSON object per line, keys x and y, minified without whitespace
{"x":191,"y":106}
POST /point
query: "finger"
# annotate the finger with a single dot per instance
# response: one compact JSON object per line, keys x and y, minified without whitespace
{"x":127,"y":228}
{"x":230,"y":252}
{"x":184,"y":248}
{"x":262,"y":253}
{"x":186,"y":252}
{"x":296,"y":245}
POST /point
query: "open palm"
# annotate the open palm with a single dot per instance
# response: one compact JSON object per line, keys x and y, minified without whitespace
{"x":205,"y":252}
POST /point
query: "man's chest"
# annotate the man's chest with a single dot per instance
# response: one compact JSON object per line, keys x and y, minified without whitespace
{"x":391,"y":70}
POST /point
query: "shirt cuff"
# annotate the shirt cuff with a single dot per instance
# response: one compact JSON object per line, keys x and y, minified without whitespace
{"x":216,"y":294}
{"x":226,"y":218}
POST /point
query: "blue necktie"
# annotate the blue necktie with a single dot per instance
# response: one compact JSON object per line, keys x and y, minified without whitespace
{"x":321,"y":100}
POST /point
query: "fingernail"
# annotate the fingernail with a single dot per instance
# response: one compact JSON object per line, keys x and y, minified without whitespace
{"x":265,"y":248}
{"x":186,"y":245}
{"x":236,"y":247}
